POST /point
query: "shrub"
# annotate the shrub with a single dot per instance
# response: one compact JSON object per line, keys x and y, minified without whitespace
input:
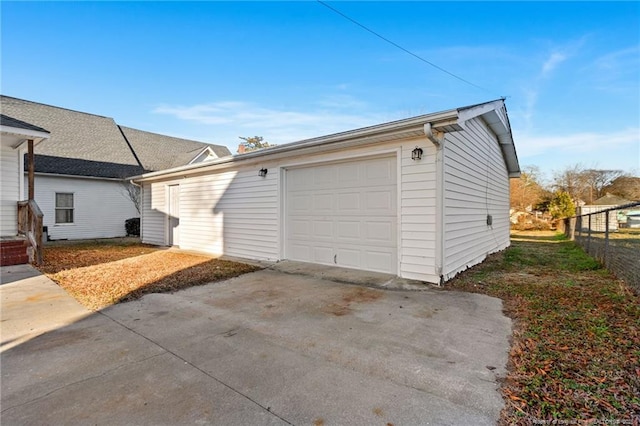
{"x":132,"y":226}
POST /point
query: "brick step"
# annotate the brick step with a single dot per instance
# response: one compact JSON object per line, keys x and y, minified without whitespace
{"x":13,"y":243}
{"x":14,"y":260}
{"x":13,"y":252}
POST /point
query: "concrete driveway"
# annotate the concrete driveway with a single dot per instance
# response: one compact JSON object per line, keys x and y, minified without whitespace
{"x":264,"y":348}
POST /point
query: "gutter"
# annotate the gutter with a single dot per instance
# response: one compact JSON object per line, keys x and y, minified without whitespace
{"x":369,"y":135}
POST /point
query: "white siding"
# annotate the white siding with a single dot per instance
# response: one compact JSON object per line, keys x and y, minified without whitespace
{"x":10,"y":176}
{"x":417,"y":213}
{"x":476,"y":184}
{"x":237,"y":213}
{"x":154,"y":209}
{"x":100,"y":207}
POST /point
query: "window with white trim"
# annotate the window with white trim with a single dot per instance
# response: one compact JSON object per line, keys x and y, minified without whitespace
{"x":64,"y":207}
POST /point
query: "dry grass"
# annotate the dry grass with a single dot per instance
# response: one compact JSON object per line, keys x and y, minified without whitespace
{"x":575,"y":354}
{"x":100,"y":274}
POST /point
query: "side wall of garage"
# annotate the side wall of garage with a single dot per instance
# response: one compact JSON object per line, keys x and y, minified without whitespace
{"x":235,"y":212}
{"x":476,"y":197}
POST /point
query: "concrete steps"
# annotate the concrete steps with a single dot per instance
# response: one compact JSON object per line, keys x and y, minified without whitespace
{"x":14,"y":252}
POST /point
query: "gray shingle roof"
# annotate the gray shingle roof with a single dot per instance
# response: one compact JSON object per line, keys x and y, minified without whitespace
{"x":176,"y":152}
{"x":86,"y":144}
{"x":19,"y":124}
{"x":610,"y":200}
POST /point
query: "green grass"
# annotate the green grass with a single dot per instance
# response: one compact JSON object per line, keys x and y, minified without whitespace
{"x":576,"y":336}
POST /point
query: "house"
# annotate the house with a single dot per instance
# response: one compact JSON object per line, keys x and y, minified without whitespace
{"x":423,"y":198}
{"x":79,"y":174}
{"x":598,"y":222}
{"x":17,"y":214}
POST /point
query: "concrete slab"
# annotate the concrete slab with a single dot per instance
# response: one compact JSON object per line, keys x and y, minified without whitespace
{"x":347,"y":275}
{"x":267,"y":348}
{"x":31,"y":304}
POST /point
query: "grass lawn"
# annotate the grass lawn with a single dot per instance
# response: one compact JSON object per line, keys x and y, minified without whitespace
{"x":575,"y":352}
{"x":104,"y":272}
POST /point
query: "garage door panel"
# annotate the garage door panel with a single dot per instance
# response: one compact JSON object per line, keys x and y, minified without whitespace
{"x":380,"y":200}
{"x":322,"y":229}
{"x":350,"y":258}
{"x":348,"y":201}
{"x":300,"y":203}
{"x":379,"y":232}
{"x":380,"y":171}
{"x":344,"y":214}
{"x":322,"y":255}
{"x":300,"y":228}
{"x":349,"y":230}
{"x":380,"y":261}
{"x":323,"y":202}
{"x":347,"y":174}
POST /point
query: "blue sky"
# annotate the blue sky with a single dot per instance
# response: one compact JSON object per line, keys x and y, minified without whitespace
{"x":214,"y":71}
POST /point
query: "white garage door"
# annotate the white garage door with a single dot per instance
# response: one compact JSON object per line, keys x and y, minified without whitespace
{"x":343,"y":214}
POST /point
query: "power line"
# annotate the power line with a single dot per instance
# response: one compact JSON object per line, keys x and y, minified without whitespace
{"x":402,"y":48}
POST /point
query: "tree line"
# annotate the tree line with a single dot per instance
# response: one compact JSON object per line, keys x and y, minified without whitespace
{"x":575,"y":185}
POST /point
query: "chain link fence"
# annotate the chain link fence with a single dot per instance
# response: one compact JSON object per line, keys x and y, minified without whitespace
{"x":612,"y":236}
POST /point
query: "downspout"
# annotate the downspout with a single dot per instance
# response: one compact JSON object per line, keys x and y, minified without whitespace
{"x":437,"y":137}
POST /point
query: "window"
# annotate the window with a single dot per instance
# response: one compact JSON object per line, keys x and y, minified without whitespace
{"x":64,"y":207}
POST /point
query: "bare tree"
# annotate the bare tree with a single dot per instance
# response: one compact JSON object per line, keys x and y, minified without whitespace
{"x":132,"y":192}
{"x":584,"y":184}
{"x":526,"y":191}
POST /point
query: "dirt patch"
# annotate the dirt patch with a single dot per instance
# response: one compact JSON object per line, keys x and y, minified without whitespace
{"x":104,"y":274}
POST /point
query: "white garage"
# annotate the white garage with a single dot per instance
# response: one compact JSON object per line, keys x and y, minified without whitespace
{"x":343,"y":214}
{"x":423,"y":198}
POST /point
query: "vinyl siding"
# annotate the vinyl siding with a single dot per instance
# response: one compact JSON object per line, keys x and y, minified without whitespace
{"x":476,"y":184}
{"x":100,"y":207}
{"x":237,"y":213}
{"x":10,"y":175}
{"x":417,"y":212}
{"x":153,"y":220}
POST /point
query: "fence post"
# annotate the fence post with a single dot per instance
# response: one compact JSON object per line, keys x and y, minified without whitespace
{"x":606,"y":240}
{"x":589,"y":235}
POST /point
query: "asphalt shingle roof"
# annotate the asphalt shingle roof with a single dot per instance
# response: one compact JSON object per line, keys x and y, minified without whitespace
{"x":86,"y":144}
{"x":5,"y":120}
{"x":179,"y":152}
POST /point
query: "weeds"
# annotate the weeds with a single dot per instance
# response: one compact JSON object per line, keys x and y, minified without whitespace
{"x":575,"y":354}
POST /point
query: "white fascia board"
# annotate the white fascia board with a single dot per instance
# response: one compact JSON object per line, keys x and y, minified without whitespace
{"x":25,"y":134}
{"x":204,"y":151}
{"x":368,"y":135}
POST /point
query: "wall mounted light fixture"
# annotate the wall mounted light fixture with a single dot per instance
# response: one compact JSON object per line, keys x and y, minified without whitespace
{"x":262,"y":172}
{"x":416,"y":154}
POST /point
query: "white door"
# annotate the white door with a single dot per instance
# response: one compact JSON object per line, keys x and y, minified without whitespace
{"x":343,"y":214}
{"x":174,"y":216}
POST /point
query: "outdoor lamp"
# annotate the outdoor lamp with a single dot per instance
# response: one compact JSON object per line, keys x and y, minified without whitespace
{"x":262,"y":172}
{"x":416,"y":154}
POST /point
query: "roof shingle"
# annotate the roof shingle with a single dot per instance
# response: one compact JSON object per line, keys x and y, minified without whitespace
{"x":86,"y":144}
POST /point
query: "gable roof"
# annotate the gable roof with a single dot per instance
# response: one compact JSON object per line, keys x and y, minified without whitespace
{"x":493,"y":113}
{"x":179,"y":152}
{"x":84,"y":144}
{"x":610,"y":200}
{"x":5,"y":120}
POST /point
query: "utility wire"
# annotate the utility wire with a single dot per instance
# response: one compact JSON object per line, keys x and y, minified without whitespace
{"x":402,"y":48}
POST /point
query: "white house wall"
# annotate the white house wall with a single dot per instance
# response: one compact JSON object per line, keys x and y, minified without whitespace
{"x":10,"y":175}
{"x":476,"y":184}
{"x":235,"y":212}
{"x":100,"y":207}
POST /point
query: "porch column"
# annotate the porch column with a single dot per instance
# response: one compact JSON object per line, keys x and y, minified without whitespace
{"x":32,"y":168}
